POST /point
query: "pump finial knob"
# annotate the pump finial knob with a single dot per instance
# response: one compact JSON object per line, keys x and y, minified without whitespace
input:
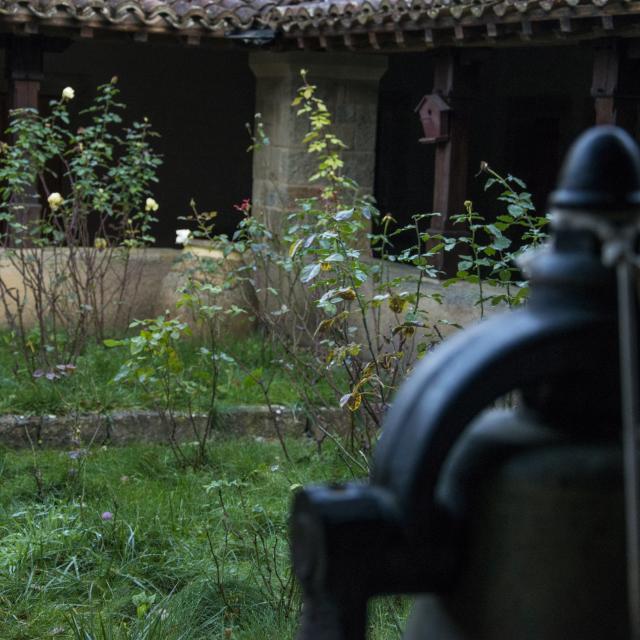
{"x":601,"y":173}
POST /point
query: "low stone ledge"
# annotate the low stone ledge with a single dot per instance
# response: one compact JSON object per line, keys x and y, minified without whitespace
{"x":128,"y":427}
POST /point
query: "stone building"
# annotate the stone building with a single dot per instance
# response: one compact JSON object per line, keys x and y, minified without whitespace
{"x":519,"y":79}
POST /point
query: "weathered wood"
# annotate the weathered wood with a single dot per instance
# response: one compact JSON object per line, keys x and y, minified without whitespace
{"x":428,"y":37}
{"x":607,"y":23}
{"x":526,"y":30}
{"x":565,"y":24}
{"x":25,"y":71}
{"x":615,"y":87}
{"x":452,"y":155}
{"x":605,"y":82}
{"x":25,"y":94}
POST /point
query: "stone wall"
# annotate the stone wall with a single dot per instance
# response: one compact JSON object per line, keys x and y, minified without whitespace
{"x":128,"y":427}
{"x":155,"y":276}
{"x":349,"y":85}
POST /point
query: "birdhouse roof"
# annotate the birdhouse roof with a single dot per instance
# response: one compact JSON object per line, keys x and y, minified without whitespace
{"x":433,"y":101}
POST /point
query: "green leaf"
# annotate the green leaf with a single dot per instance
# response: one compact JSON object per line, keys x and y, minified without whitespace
{"x":252,"y":378}
{"x":113,"y":343}
{"x":294,"y":247}
{"x":310,"y":272}
{"x":360,"y":275}
{"x":515,"y":210}
{"x":519,"y":182}
{"x":343,"y":215}
{"x":501,"y":243}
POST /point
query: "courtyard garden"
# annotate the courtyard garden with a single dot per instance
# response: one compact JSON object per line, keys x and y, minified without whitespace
{"x":125,"y":545}
{"x":187,"y":539}
{"x":92,"y":386}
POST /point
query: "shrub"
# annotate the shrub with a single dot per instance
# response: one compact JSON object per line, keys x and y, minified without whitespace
{"x":339,"y":315}
{"x":73,"y":204}
{"x":330,"y":311}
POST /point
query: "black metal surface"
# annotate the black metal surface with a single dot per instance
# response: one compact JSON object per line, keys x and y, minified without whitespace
{"x":601,"y":173}
{"x":397,"y":534}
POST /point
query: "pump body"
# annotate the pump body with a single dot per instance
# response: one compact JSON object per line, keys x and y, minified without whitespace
{"x":503,"y":524}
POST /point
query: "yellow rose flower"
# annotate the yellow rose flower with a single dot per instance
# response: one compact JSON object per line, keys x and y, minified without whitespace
{"x":55,"y":200}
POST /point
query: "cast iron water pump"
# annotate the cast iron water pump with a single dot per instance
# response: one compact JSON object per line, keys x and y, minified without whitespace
{"x":507,"y":525}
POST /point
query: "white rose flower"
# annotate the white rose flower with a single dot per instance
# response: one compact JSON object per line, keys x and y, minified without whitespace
{"x":55,"y":200}
{"x":68,"y":93}
{"x":182,"y":236}
{"x":151,"y":205}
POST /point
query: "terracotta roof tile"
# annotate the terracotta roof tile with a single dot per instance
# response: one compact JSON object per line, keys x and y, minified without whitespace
{"x":287,"y":16}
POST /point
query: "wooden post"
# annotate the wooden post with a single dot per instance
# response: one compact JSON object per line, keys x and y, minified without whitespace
{"x":615,"y":87}
{"x":452,"y":154}
{"x":25,"y":71}
{"x":605,"y":82}
{"x":24,"y":62}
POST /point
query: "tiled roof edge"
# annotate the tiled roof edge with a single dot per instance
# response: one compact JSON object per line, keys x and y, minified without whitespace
{"x":219,"y":17}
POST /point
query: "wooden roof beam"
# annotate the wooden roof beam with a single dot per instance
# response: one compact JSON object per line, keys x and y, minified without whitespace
{"x":565,"y":24}
{"x":348,"y":42}
{"x":428,"y":37}
{"x":607,"y":23}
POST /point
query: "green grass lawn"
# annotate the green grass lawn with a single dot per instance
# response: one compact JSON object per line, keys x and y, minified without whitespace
{"x":185,"y":555}
{"x":91,"y":387}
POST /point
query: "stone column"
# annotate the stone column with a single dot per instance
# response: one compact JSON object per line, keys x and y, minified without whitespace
{"x":349,"y":85}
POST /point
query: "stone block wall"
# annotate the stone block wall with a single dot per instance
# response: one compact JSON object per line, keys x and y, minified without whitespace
{"x":349,"y":85}
{"x":152,"y":287}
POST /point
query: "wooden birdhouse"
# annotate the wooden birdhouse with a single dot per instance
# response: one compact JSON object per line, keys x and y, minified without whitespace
{"x":435,"y":115}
